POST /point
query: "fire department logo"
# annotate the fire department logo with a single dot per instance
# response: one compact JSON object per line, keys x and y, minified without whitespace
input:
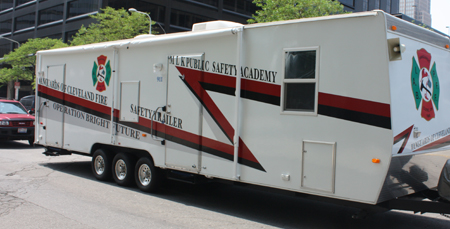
{"x":101,"y":73}
{"x":425,"y":84}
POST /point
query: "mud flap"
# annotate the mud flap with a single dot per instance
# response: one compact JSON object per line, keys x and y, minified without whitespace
{"x":444,"y":182}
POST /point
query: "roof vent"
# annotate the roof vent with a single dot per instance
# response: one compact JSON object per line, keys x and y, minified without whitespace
{"x":210,"y":25}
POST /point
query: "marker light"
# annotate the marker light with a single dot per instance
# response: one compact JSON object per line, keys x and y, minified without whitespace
{"x":394,"y":27}
{"x":375,"y":160}
{"x":447,"y":46}
{"x":144,"y":135}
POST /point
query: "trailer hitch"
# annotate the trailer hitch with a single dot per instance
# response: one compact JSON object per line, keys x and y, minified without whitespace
{"x":51,"y":151}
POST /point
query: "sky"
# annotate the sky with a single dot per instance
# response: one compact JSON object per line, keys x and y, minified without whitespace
{"x":440,"y":15}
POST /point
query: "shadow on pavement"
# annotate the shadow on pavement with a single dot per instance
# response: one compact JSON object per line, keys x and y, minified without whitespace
{"x":16,"y":145}
{"x":267,"y":208}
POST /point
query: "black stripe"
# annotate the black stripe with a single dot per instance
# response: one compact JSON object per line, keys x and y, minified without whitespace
{"x":199,"y":147}
{"x":264,"y":98}
{"x":218,"y":88}
{"x":355,"y":116}
{"x":214,"y":152}
{"x":259,"y":97}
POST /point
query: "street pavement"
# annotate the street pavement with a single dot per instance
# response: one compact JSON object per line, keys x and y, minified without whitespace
{"x":38,"y":191}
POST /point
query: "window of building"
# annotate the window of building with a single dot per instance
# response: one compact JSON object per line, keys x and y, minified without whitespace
{"x":6,"y":4}
{"x":20,"y":2}
{"x":55,"y":36}
{"x":79,"y":7}
{"x":69,"y":35}
{"x":157,"y":12}
{"x":388,"y":6}
{"x":5,"y":49}
{"x":208,"y":2}
{"x":51,"y":14}
{"x":241,"y":6}
{"x":24,"y":21}
{"x":186,"y":20}
{"x":350,"y":3}
{"x":377,"y":4}
{"x":5,"y":26}
{"x":300,"y":81}
{"x":365,"y":5}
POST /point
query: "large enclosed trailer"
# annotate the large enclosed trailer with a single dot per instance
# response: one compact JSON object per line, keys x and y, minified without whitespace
{"x":353,"y":108}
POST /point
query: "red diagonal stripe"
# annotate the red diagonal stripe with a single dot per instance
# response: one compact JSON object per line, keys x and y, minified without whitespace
{"x":359,"y":105}
{"x":193,"y":79}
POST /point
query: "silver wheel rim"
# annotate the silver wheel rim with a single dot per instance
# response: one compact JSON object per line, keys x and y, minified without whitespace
{"x":99,"y":165}
{"x":121,"y":169}
{"x":145,"y":174}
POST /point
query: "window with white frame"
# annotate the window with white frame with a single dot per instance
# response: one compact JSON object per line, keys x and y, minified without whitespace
{"x":300,"y":81}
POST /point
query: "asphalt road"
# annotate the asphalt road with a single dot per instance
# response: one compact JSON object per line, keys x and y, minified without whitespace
{"x":60,"y":192}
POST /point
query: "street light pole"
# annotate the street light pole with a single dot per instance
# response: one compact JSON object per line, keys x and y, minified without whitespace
{"x":9,"y":39}
{"x":134,"y":10}
{"x":16,"y":89}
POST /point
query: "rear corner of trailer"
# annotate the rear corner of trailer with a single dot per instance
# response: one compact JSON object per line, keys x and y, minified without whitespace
{"x":419,"y":82}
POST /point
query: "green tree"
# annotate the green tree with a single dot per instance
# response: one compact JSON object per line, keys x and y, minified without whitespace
{"x":112,"y":25}
{"x":22,"y":60}
{"x":278,"y":10}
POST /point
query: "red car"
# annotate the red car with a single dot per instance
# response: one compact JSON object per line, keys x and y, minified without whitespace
{"x":15,"y":122}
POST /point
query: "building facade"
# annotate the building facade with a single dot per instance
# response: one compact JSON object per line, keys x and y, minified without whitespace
{"x":417,"y":9}
{"x":389,"y":6}
{"x":61,"y":19}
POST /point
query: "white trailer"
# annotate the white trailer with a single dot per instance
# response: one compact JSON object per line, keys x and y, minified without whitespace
{"x":352,"y":108}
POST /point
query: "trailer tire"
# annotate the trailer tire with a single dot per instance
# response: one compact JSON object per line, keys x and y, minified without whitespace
{"x":101,"y":165}
{"x":147,"y":176}
{"x":122,"y":169}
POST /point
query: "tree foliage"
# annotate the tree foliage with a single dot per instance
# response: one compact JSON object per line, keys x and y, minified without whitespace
{"x":22,"y":60}
{"x":112,"y":25}
{"x":278,"y":10}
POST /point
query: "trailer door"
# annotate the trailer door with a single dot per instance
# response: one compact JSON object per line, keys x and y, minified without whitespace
{"x":54,"y":118}
{"x":183,"y":119}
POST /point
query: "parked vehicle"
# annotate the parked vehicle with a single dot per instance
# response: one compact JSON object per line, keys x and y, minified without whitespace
{"x":15,"y":122}
{"x":348,"y":108}
{"x":28,"y":102}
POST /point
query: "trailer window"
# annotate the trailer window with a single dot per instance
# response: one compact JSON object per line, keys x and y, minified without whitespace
{"x":300,"y":81}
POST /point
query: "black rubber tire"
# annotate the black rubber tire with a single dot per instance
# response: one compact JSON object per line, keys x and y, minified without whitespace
{"x":101,"y":170}
{"x":123,"y":169}
{"x":148,"y":178}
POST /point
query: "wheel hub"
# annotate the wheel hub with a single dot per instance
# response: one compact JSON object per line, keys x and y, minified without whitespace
{"x":99,"y":165}
{"x":145,"y":175}
{"x":121,"y":169}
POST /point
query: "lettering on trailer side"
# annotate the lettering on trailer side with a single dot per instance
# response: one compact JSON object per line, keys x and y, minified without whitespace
{"x":101,"y":122}
{"x":223,"y":68}
{"x":156,"y":116}
{"x":71,"y":90}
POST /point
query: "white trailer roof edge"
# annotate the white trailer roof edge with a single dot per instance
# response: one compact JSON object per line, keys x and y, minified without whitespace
{"x":160,"y":39}
{"x":322,"y":18}
{"x":416,"y":32}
